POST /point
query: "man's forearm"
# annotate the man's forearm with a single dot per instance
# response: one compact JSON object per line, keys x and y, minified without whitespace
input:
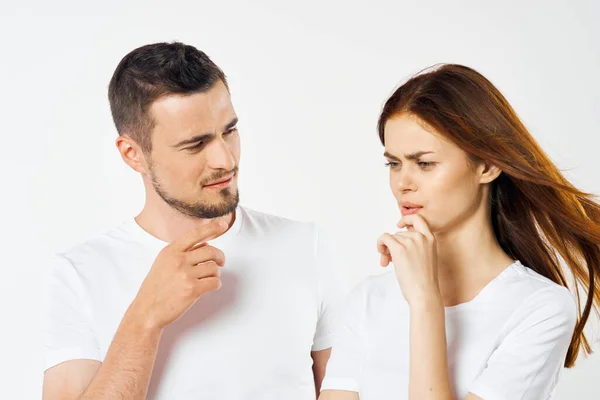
{"x":320,"y":359}
{"x":126,"y":370}
{"x":429,"y":379}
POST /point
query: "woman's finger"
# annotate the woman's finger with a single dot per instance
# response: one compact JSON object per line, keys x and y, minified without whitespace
{"x":415,"y":222}
{"x":387,"y":242}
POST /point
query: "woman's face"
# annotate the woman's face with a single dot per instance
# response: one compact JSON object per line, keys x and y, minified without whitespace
{"x":430,"y":175}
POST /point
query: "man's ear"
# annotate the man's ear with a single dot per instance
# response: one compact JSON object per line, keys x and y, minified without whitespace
{"x":489,"y":172}
{"x":132,"y":154}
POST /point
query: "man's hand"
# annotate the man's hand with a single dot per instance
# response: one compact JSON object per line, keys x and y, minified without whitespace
{"x":183,"y":271}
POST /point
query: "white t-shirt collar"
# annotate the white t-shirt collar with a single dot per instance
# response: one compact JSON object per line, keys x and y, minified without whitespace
{"x":481,"y":296}
{"x":144,"y":237}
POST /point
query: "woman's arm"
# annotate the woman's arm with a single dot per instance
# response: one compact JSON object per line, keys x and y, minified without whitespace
{"x":415,"y":259}
{"x":429,"y":379}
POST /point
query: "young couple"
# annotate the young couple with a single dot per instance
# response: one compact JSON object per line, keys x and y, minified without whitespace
{"x":200,"y":298}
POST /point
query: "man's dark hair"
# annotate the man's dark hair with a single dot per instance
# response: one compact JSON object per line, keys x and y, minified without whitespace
{"x":151,"y":72}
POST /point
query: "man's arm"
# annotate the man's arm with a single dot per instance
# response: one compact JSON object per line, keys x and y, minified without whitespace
{"x":68,"y":380}
{"x":320,"y":359}
{"x":125,"y":373}
{"x":338,"y":395}
{"x":182,"y":272}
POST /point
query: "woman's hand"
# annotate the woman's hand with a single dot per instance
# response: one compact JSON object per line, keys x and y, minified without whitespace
{"x":414,"y":256}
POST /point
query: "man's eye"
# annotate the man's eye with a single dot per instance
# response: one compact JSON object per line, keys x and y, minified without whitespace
{"x":230,"y":131}
{"x":196,"y":146}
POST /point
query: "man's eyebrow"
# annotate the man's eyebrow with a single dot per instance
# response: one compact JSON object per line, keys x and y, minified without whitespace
{"x":195,"y":139}
{"x":231,"y":124}
{"x":206,"y":136}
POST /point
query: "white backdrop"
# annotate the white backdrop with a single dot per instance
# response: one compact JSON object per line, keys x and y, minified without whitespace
{"x":308,"y":79}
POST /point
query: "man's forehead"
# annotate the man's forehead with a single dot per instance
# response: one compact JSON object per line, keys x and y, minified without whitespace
{"x":214,"y":101}
{"x":192,"y":113}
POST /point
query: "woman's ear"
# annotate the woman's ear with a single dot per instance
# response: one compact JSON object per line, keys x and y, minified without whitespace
{"x":489,"y":172}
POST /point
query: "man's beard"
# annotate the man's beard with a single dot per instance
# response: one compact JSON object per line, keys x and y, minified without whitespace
{"x":229,"y":199}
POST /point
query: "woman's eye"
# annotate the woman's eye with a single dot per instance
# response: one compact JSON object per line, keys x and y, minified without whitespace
{"x":392,"y":164}
{"x":425,"y":164}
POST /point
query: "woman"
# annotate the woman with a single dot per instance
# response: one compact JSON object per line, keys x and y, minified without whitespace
{"x":477,"y":306}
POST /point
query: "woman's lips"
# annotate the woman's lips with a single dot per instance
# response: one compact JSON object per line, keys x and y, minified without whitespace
{"x":410,"y":210}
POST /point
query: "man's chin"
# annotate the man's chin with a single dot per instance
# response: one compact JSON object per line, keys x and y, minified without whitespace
{"x":226,"y":204}
{"x":208,"y":208}
{"x":221,"y":209}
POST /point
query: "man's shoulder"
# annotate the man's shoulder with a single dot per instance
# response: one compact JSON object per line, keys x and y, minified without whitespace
{"x":96,"y":246}
{"x":274,"y":224}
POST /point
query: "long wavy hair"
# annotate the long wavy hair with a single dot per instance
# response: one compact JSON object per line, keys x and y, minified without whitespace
{"x":538,"y":216}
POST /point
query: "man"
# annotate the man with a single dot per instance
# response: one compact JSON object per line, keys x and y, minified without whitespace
{"x":197,"y":297}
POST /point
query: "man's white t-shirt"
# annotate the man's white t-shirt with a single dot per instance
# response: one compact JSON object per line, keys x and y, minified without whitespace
{"x":508,"y":343}
{"x":251,"y":339}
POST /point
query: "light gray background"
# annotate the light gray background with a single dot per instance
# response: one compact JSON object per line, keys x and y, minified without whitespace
{"x":308,"y":79}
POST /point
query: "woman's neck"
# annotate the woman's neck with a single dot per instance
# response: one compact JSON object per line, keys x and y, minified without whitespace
{"x":468,"y":257}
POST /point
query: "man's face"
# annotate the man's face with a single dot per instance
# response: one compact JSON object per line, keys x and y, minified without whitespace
{"x":195,"y":152}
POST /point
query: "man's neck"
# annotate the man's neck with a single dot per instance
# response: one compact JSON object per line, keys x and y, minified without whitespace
{"x":167,"y":224}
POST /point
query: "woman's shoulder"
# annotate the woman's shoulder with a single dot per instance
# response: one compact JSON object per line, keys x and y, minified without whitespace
{"x":539,"y":295}
{"x":532,"y":282}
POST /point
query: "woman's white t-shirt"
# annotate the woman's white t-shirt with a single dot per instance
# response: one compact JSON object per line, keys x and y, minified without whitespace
{"x":508,"y":343}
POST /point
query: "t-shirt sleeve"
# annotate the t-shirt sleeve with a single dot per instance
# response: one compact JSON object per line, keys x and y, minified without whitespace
{"x":66,"y":320}
{"x":527,"y":363}
{"x":330,"y":293}
{"x":345,"y":364}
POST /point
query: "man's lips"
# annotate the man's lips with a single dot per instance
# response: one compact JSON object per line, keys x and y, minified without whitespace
{"x":221,"y":182}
